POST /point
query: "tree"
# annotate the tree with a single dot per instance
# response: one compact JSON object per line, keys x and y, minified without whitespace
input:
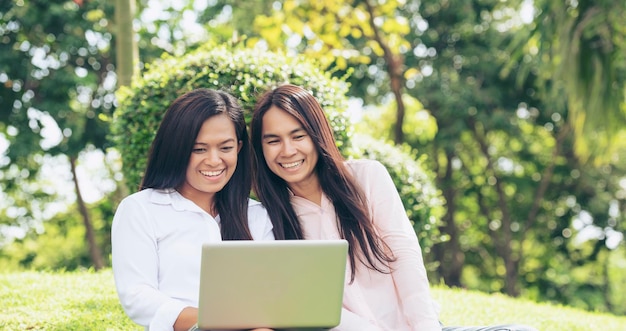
{"x":360,"y":32}
{"x":127,"y":52}
{"x":58,"y":85}
{"x":502,"y":154}
{"x":581,"y":45}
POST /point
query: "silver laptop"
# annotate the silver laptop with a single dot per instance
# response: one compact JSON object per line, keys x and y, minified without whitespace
{"x":289,"y":284}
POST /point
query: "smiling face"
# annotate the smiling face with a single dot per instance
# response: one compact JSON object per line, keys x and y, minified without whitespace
{"x":288,"y":149}
{"x":212,"y":162}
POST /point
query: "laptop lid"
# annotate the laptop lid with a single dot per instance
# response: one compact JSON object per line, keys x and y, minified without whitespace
{"x":273,"y":284}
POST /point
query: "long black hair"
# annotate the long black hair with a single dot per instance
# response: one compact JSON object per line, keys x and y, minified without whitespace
{"x":351,"y":206}
{"x":172,"y":146}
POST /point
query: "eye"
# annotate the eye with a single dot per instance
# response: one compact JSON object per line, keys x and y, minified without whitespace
{"x":198,"y":150}
{"x":299,"y":137}
{"x":272,"y":141}
{"x":227,"y":148}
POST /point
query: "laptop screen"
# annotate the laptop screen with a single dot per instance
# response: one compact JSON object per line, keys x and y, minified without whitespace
{"x":273,"y":284}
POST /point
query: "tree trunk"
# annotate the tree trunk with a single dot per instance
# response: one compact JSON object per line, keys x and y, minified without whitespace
{"x":449,"y":253}
{"x":503,"y":246}
{"x":94,"y":249}
{"x":546,"y":177}
{"x":396,"y":75}
{"x":606,"y":281}
{"x":395,"y":69}
{"x":126,"y":47}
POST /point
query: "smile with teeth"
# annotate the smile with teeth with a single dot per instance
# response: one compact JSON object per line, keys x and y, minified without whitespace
{"x":212,"y":173}
{"x":292,"y":164}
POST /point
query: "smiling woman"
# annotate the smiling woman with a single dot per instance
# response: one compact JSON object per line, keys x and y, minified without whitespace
{"x":312,"y":192}
{"x":212,"y":163}
{"x":195,"y":191}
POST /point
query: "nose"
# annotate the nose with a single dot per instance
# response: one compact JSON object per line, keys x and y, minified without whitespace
{"x":288,"y":148}
{"x":212,"y":158}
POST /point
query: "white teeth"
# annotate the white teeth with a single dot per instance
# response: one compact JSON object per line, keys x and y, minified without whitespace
{"x":292,"y":165}
{"x":212,"y":173}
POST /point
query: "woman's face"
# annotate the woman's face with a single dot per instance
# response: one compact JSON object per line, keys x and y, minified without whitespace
{"x":288,"y":149}
{"x":212,"y":162}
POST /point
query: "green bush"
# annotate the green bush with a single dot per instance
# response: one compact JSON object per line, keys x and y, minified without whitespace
{"x":59,"y":244}
{"x":246,"y":73}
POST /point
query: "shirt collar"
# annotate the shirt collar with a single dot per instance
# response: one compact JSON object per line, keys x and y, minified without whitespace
{"x":172,"y":197}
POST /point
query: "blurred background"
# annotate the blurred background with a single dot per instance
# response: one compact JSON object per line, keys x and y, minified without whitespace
{"x":515,"y":111}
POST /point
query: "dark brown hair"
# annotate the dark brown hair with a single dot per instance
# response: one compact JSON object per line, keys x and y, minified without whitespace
{"x":172,"y":146}
{"x":355,"y":221}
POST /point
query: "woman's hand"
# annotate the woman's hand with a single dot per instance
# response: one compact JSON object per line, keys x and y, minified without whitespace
{"x":186,"y":319}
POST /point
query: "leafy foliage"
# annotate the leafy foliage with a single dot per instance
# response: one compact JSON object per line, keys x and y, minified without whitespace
{"x":579,"y":52}
{"x":57,"y":85}
{"x":514,"y":188}
{"x":59,"y":244}
{"x":245,"y":73}
{"x":54,"y":69}
{"x":351,"y":36}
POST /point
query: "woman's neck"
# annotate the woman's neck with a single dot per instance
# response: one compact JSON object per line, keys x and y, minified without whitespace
{"x":310,"y":190}
{"x":203,"y":200}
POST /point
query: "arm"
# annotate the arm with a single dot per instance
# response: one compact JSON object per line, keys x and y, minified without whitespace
{"x":394,"y":227}
{"x":135,"y":268}
{"x":186,"y":319}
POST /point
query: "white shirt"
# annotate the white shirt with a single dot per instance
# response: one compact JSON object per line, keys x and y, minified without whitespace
{"x":157,"y":239}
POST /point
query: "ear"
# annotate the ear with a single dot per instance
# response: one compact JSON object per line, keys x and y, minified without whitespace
{"x":239,"y":145}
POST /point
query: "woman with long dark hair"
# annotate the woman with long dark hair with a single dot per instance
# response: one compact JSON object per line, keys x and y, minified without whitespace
{"x":195,"y":190}
{"x":311,"y":192}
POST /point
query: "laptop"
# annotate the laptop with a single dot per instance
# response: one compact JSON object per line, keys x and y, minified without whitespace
{"x":286,"y":284}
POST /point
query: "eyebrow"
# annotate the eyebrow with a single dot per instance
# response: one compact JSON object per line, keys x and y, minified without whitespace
{"x":271,"y":135}
{"x":229,"y":140}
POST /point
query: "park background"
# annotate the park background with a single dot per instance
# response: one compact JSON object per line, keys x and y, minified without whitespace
{"x":501,"y":121}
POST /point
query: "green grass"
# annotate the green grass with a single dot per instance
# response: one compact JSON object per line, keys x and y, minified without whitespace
{"x":61,"y":301}
{"x":461,"y":307}
{"x":87,"y":301}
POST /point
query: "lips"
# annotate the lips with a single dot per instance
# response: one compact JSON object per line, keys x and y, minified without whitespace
{"x":292,"y":164}
{"x":212,"y":173}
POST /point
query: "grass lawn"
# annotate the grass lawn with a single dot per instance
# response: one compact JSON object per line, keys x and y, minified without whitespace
{"x":87,"y":301}
{"x":61,"y":301}
{"x":461,"y":307}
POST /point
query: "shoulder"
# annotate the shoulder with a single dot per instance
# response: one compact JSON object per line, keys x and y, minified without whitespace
{"x":153,"y":201}
{"x":254,"y":204}
{"x":259,"y":221}
{"x":148,"y":196}
{"x":139,"y":197}
{"x":366,"y":167}
{"x":372,"y":176}
{"x":256,"y":210}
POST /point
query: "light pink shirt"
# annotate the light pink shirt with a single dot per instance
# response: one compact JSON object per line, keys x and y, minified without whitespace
{"x":399,"y":301}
